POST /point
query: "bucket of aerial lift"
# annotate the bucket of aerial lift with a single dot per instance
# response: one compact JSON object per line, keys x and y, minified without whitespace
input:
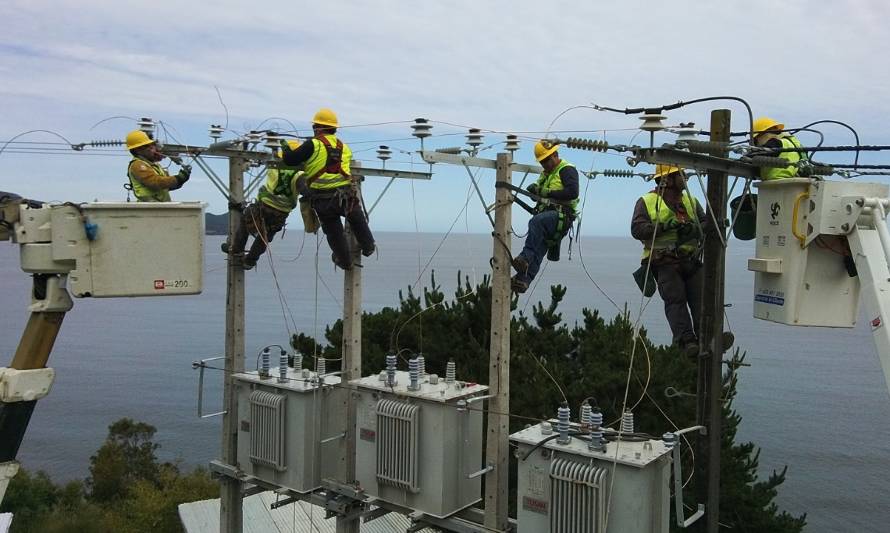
{"x":801,"y":274}
{"x":744,"y":216}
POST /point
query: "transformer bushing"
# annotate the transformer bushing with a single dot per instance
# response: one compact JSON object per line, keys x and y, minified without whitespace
{"x":596,"y":442}
{"x":282,"y":367}
{"x":321,"y":367}
{"x":586,"y":411}
{"x":562,"y":424}
{"x":391,"y":370}
{"x":264,"y":363}
{"x":450,"y":371}
{"x":627,"y":422}
{"x":421,"y":366}
{"x":298,"y":363}
{"x":413,"y":374}
{"x":669,"y":440}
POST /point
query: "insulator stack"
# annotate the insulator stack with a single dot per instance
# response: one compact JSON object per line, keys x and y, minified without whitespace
{"x":669,"y":440}
{"x":216,"y":132}
{"x":617,"y":173}
{"x":254,"y":136}
{"x":298,"y":363}
{"x":809,"y":169}
{"x":264,"y":363}
{"x":586,"y":144}
{"x":413,"y":374}
{"x":391,"y":370}
{"x":512,"y":143}
{"x":596,"y":431}
{"x":321,"y":365}
{"x":147,"y":125}
{"x":104,"y":142}
{"x":273,"y":141}
{"x":686,"y":132}
{"x":451,"y":150}
{"x":384,"y":153}
{"x":421,"y":365}
{"x":562,"y":423}
{"x":282,"y":367}
{"x":474,"y":138}
{"x":450,"y":371}
{"x":766,"y":161}
{"x":421,"y":128}
{"x":652,"y":122}
{"x":706,"y":147}
{"x":627,"y":422}
{"x":585,"y":415}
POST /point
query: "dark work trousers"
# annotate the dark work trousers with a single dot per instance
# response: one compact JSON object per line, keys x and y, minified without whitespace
{"x":680,"y":286}
{"x":262,"y":222}
{"x":541,"y":227}
{"x":329,"y":208}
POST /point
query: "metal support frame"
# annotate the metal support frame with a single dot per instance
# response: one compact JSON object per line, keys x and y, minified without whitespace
{"x":682,"y":158}
{"x":201,"y":366}
{"x":682,"y":521}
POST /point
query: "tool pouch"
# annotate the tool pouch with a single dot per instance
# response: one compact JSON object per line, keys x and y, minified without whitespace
{"x":645,"y":282}
{"x":310,"y":219}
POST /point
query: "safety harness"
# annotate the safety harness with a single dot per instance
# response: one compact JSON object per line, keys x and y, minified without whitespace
{"x":564,"y":222}
{"x":333,"y":162}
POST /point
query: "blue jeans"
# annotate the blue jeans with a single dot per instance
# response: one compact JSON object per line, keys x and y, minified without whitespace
{"x":541,"y":227}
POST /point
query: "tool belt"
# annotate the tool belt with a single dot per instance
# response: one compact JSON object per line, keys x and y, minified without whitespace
{"x":564,"y":223}
{"x":346,"y":197}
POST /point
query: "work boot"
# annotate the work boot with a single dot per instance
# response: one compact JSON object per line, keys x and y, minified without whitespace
{"x":225,"y":247}
{"x":728,"y":340}
{"x":519,"y":286}
{"x":520,"y":264}
{"x":248,"y":263}
{"x":369,"y":251}
{"x":689,"y":347}
{"x":343,"y":266}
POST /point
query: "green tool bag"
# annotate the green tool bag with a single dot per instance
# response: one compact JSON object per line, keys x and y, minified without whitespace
{"x":744,"y":212}
{"x":645,"y":282}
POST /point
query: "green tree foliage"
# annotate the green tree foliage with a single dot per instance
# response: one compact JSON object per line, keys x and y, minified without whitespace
{"x":552,"y":362}
{"x":128,"y":490}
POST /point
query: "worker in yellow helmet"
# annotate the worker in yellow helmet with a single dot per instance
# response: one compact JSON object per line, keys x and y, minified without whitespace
{"x":769,"y":133}
{"x":263,"y":219}
{"x":557,"y":200}
{"x":149,"y":181}
{"x":330,"y":187}
{"x":668,"y":221}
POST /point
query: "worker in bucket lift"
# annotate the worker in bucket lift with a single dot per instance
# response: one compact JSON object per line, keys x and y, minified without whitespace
{"x":149,"y":181}
{"x":276,"y":198}
{"x":770,"y":134}
{"x":557,"y":193}
{"x":671,"y":224}
{"x":330,"y":187}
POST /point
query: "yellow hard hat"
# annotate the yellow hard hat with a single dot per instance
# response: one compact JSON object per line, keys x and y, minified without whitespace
{"x":293,"y":144}
{"x":544,"y":148}
{"x":762,"y":124}
{"x":665,"y":170}
{"x":137,"y":138}
{"x":325,"y":117}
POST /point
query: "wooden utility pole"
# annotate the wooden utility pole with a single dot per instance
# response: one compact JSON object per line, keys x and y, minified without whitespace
{"x":497,"y":448}
{"x":351,"y":351}
{"x":230,"y":502}
{"x":710,"y":364}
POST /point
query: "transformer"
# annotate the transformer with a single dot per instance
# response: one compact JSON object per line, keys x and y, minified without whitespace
{"x":291,"y":433}
{"x":418,"y":444}
{"x":568,"y":488}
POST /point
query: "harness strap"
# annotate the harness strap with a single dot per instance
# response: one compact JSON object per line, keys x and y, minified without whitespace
{"x":334,"y":160}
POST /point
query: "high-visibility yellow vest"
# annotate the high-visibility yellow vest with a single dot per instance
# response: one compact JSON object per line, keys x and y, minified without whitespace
{"x":322,"y":169}
{"x":775,"y":173}
{"x":279,"y":191}
{"x":551,"y":181}
{"x":660,"y":213}
{"x":140,"y":191}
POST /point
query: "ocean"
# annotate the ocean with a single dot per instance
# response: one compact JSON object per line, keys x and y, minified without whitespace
{"x":813,"y":398}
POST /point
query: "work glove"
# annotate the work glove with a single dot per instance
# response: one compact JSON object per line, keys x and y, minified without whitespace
{"x":689,"y":231}
{"x":285,"y":148}
{"x":184,"y":174}
{"x":532,"y":189}
{"x":667,"y":226}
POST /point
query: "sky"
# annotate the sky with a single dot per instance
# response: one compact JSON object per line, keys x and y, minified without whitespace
{"x":503,"y":66}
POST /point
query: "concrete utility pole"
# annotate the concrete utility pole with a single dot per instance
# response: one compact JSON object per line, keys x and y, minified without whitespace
{"x":710,"y":364}
{"x":497,"y":448}
{"x":351,"y":351}
{"x":230,"y":502}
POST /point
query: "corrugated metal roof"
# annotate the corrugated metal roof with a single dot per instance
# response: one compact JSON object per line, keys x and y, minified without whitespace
{"x":301,"y":517}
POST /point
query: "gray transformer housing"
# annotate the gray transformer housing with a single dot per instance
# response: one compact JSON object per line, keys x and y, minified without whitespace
{"x":565,"y":488}
{"x":416,"y":449}
{"x":291,"y":434}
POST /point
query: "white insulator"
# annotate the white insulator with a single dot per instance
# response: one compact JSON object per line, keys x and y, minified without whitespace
{"x":384,"y":153}
{"x":686,"y":132}
{"x":421,"y":365}
{"x":596,"y":431}
{"x":216,"y":131}
{"x":321,"y":367}
{"x":652,"y":122}
{"x":298,"y":363}
{"x":450,"y":371}
{"x":627,"y":422}
{"x":546,"y":428}
{"x":273,"y":141}
{"x":255,"y":136}
{"x":421,"y":128}
{"x":562,"y":424}
{"x":147,"y":125}
{"x":382,"y":376}
{"x":512,"y":143}
{"x":413,"y":374}
{"x":282,"y":367}
{"x":391,"y":370}
{"x":586,"y":412}
{"x":669,"y":440}
{"x":474,"y":137}
{"x":264,"y":363}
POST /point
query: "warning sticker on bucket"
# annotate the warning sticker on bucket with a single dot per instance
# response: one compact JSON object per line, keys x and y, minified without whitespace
{"x":767,"y":299}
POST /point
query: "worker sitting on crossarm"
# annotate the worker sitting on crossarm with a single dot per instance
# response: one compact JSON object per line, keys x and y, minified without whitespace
{"x":149,"y":181}
{"x":330,"y":187}
{"x":557,"y":192}
{"x":769,"y":134}
{"x":668,"y":221}
{"x":263,"y":219}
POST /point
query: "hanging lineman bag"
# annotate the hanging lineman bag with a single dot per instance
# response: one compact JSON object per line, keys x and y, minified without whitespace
{"x":645,"y":282}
